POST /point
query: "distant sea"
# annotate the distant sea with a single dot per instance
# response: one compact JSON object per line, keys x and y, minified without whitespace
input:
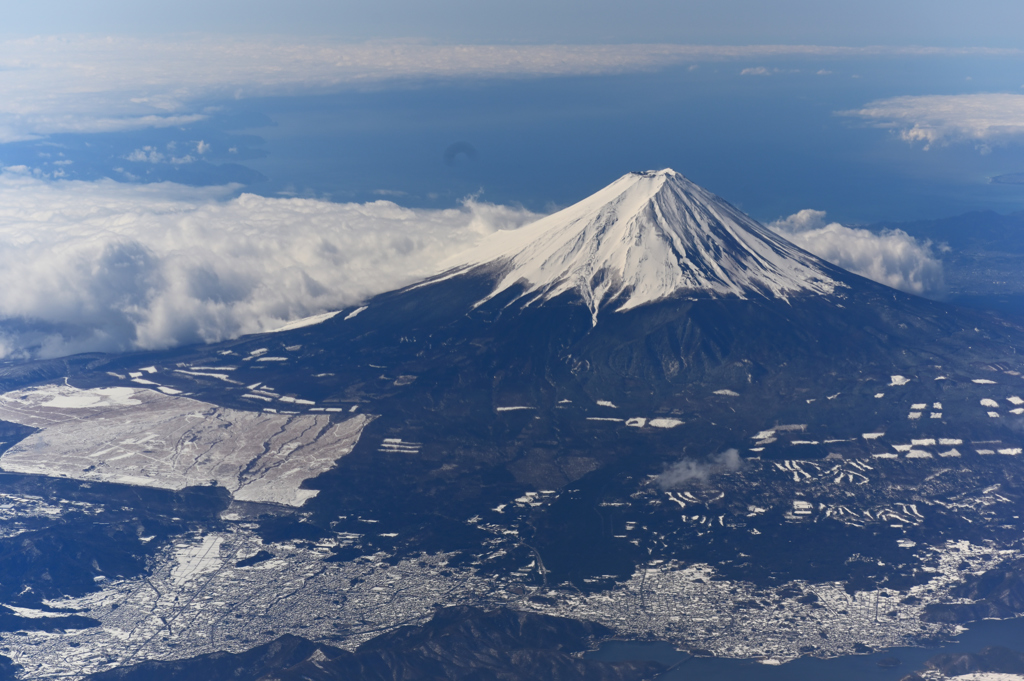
{"x":770,"y":144}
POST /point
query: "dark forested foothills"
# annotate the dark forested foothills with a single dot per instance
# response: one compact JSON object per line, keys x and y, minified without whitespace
{"x":644,"y":417}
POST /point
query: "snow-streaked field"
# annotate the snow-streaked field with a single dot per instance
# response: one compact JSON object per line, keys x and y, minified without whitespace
{"x":143,"y":437}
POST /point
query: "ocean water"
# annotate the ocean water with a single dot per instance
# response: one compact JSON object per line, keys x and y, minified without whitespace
{"x":771,"y":144}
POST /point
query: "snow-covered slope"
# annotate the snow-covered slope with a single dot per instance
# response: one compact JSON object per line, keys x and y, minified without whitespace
{"x":646,"y":237}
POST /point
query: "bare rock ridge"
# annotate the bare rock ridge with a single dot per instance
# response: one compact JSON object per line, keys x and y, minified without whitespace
{"x":646,"y":237}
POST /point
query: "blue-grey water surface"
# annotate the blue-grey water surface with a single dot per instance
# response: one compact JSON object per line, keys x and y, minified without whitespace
{"x":1008,"y":633}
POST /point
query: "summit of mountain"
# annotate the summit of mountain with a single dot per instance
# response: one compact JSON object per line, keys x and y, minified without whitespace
{"x":646,"y":237}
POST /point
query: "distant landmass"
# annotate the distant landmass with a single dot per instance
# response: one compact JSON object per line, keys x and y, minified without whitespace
{"x":1009,"y":178}
{"x":982,"y":256}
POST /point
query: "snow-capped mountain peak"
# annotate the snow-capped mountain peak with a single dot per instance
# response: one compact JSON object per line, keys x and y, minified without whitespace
{"x":643,"y":238}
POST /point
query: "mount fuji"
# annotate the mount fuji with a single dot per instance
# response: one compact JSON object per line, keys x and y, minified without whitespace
{"x":646,"y":412}
{"x":647,"y":237}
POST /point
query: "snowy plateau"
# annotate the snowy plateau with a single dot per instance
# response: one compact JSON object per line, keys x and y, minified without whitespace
{"x":645,"y":417}
{"x":143,"y":437}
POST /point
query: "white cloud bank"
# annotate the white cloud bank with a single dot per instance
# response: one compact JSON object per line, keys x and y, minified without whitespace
{"x":985,"y":119}
{"x":102,"y":266}
{"x":893,"y":258}
{"x":83,"y":84}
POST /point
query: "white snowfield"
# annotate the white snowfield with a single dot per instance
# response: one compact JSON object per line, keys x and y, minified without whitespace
{"x":194,"y":561}
{"x":307,"y":321}
{"x":646,"y":237}
{"x":143,"y":437}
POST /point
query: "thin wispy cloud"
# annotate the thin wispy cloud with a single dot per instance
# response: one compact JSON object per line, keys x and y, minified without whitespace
{"x":102,"y":266}
{"x":984,"y":119}
{"x":765,"y":71}
{"x":893,"y":258}
{"x":82,"y":84}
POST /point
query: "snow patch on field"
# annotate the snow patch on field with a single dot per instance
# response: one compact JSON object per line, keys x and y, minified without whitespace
{"x":98,"y":397}
{"x":196,"y":560}
{"x":307,"y":321}
{"x":32,"y":613}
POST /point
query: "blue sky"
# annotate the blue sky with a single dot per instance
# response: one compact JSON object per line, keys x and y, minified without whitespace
{"x":839,"y":22}
{"x":172,"y":172}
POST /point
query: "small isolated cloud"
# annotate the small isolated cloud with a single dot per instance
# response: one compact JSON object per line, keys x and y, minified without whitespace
{"x":36,"y":172}
{"x":689,"y":471}
{"x":985,"y":119}
{"x":893,"y":258}
{"x":765,"y":71}
{"x":151,"y":155}
{"x":145,"y":155}
{"x":103,"y":266}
